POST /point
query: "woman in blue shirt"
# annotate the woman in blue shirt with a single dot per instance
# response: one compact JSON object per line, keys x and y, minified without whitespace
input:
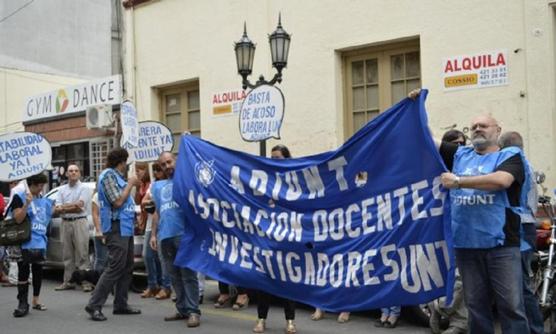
{"x":39,"y":212}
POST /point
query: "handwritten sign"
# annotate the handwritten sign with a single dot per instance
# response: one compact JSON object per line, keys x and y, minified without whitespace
{"x":261,"y":114}
{"x":486,"y":69}
{"x":130,"y":126}
{"x":154,"y":138}
{"x":23,"y":154}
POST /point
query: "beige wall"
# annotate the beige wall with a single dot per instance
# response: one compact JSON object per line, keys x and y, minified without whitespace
{"x":175,"y":40}
{"x":16,"y":86}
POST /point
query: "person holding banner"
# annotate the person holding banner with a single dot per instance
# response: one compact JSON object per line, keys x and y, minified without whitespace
{"x":33,"y":252}
{"x":486,"y":188}
{"x":168,"y":227}
{"x":117,"y":217}
{"x":263,"y":298}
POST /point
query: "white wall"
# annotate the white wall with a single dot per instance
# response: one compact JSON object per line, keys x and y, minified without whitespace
{"x":16,"y":86}
{"x":174,"y":40}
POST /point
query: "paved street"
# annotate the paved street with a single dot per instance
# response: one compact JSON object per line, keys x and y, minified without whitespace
{"x":65,"y":314}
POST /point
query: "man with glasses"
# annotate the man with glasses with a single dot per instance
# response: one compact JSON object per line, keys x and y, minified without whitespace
{"x":486,"y":195}
{"x":486,"y":190}
{"x":71,"y":204}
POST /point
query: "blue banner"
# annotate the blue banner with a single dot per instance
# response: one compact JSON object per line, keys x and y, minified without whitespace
{"x":361,"y":227}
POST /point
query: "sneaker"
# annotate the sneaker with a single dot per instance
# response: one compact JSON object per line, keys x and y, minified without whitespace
{"x":65,"y":286}
{"x":259,"y":326}
{"x":194,"y":320}
{"x":163,"y":294}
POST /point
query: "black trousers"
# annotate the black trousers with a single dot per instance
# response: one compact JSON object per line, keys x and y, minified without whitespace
{"x":118,"y":271}
{"x":31,"y":261}
{"x":225,"y":289}
{"x":263,"y":304}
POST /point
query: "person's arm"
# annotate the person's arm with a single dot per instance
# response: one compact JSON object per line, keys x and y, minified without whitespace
{"x":79,"y":205}
{"x":502,"y":178}
{"x":116,"y":197}
{"x":154,"y":230}
{"x":20,"y":208}
{"x":96,"y":219}
{"x":490,"y":182}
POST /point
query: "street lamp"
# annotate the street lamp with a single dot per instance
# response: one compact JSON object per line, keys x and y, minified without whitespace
{"x":245,"y":52}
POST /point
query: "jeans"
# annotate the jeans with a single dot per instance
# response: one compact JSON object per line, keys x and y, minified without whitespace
{"x":493,"y":273}
{"x":184,"y":280}
{"x":101,"y":255}
{"x":532,"y":310}
{"x":392,"y":311}
{"x":156,"y":274}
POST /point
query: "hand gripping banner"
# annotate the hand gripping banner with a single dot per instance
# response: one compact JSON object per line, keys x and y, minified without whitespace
{"x":361,"y":227}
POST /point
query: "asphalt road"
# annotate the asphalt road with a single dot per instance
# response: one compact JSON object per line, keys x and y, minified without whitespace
{"x":65,"y":314}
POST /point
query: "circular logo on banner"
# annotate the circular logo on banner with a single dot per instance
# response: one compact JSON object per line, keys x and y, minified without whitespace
{"x":261,"y":114}
{"x":166,"y":193}
{"x":204,"y":172}
{"x":61,"y":101}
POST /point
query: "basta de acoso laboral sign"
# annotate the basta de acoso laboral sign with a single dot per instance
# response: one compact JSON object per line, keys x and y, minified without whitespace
{"x":261,"y":114}
{"x":23,"y":154}
{"x":73,"y":99}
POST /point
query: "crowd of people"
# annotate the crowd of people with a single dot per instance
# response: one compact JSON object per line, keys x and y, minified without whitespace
{"x":493,"y":239}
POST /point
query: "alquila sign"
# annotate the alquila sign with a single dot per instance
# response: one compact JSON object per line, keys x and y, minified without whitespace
{"x":74,"y":98}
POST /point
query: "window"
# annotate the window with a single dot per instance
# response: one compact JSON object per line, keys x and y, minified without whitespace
{"x":377,"y":78}
{"x":99,"y":151}
{"x":181,"y":111}
{"x":62,"y":156}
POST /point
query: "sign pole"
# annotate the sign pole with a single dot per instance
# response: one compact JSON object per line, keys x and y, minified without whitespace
{"x":262,"y":148}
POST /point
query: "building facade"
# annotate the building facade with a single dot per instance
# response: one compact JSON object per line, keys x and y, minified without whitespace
{"x":348,"y":61}
{"x":48,"y":48}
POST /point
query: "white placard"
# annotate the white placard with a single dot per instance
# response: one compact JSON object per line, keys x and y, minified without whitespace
{"x":73,"y":99}
{"x":23,"y":154}
{"x":261,"y":114}
{"x":130,"y":125}
{"x":154,"y":138}
{"x":486,"y":69}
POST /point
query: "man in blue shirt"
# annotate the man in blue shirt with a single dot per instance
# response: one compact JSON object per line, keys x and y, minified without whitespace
{"x":117,"y":218}
{"x":168,"y":227}
{"x":486,"y":194}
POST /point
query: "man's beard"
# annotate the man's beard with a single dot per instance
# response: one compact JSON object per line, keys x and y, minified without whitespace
{"x":169,"y":172}
{"x":480,"y":142}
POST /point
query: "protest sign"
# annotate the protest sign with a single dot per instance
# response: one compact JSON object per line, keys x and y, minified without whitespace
{"x":261,"y":114}
{"x":23,"y":154}
{"x":130,"y":125}
{"x":154,"y":138}
{"x":361,"y":227}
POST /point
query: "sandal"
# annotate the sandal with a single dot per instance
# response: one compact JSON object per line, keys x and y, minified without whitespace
{"x":238,"y":305}
{"x":221,"y":302}
{"x":391,"y":323}
{"x":39,"y":307}
{"x":317,"y":315}
{"x":343,"y":317}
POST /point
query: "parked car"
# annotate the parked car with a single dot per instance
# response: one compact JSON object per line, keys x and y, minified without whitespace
{"x":55,"y":242}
